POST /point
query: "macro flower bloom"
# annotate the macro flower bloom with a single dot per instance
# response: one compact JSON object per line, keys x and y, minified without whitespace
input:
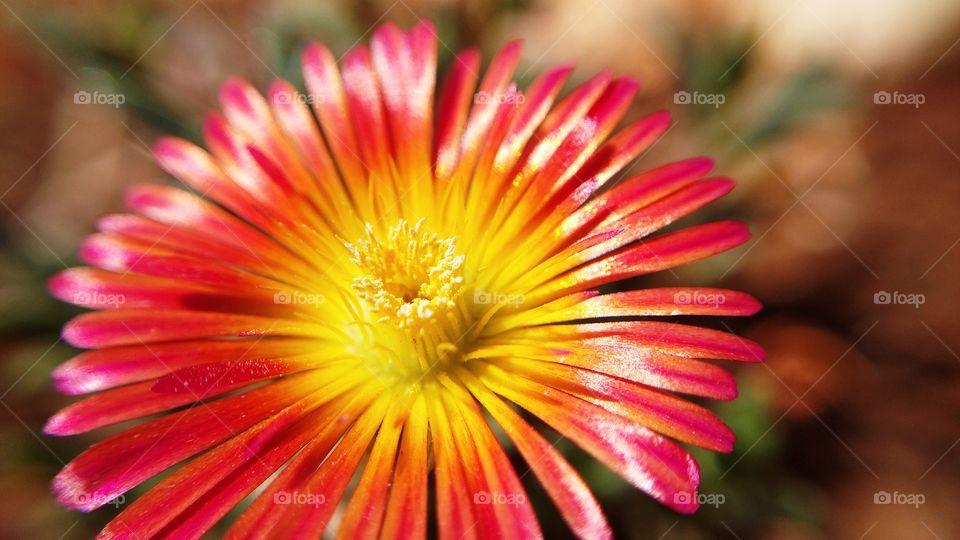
{"x":365,"y":271}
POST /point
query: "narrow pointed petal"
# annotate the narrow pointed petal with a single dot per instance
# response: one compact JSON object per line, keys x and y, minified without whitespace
{"x":325,"y":86}
{"x":456,"y":94}
{"x":101,"y":369}
{"x":499,"y":485}
{"x":192,"y":499}
{"x":138,"y":326}
{"x":666,"y":251}
{"x":567,"y":489}
{"x":283,"y":497}
{"x":406,"y":513}
{"x":110,"y":468}
{"x":649,"y":461}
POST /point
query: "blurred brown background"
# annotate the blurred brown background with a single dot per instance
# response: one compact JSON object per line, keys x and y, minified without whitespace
{"x":838,"y":119}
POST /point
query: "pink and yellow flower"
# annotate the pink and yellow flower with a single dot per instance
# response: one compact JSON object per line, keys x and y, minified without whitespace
{"x":367,"y":271}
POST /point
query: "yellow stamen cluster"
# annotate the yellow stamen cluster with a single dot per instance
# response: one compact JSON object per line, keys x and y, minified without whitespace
{"x":410,"y":276}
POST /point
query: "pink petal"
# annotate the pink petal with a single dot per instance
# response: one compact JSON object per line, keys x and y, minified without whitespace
{"x":314,"y":472}
{"x":326,"y":91}
{"x":456,"y":94}
{"x":111,"y":252}
{"x":457,"y":515}
{"x":649,"y":461}
{"x":406,"y":513}
{"x":624,"y":147}
{"x":496,"y":478}
{"x":185,"y":386}
{"x":367,"y":114}
{"x":666,"y":251}
{"x":96,"y":370}
{"x":569,"y":492}
{"x":133,"y":326}
{"x":196,"y":168}
{"x":482,"y":115}
{"x":406,"y":65}
{"x":659,"y":411}
{"x":113,"y":466}
{"x":189,"y":501}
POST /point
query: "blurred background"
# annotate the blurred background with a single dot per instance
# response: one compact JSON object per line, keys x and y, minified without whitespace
{"x":838,"y":119}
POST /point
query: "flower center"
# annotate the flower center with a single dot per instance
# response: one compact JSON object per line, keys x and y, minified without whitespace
{"x":411,"y":277}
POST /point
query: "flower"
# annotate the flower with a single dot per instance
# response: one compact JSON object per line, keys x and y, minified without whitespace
{"x":373,"y":279}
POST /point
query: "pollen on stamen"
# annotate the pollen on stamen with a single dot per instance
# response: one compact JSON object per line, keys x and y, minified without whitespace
{"x":410,"y":276}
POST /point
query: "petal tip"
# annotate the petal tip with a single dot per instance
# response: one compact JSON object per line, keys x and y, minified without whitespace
{"x":166,"y":147}
{"x":425,"y":25}
{"x":233,"y":87}
{"x":279,"y":87}
{"x":66,"y":380}
{"x":59,"y":283}
{"x":58,"y":425}
{"x":74,"y":333}
{"x":751,"y":306}
{"x":315,"y":56}
{"x":737,"y":232}
{"x":699,"y":166}
{"x":71,"y":492}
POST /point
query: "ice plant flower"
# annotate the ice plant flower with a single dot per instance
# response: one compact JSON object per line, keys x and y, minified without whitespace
{"x":362,"y":280}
